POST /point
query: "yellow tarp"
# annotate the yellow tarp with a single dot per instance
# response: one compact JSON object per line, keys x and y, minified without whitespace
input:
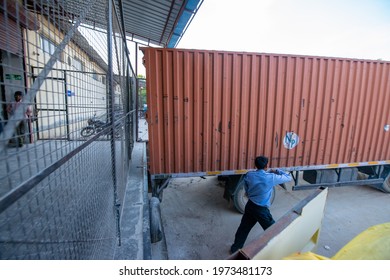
{"x":371,"y":244}
{"x":305,"y":256}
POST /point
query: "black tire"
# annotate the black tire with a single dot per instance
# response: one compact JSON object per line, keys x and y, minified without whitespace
{"x":240,"y":198}
{"x":87,"y":131}
{"x":156,"y":232}
{"x":386,"y":183}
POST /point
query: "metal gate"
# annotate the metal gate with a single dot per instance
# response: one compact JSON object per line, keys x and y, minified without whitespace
{"x":54,"y":111}
{"x":57,"y":116}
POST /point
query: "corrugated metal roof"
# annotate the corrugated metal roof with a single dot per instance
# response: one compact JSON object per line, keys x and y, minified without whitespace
{"x":159,"y":22}
{"x":156,"y":20}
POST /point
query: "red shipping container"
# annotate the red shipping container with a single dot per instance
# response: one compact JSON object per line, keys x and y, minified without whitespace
{"x":213,"y":112}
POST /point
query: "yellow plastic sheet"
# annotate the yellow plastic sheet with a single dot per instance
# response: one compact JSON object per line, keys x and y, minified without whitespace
{"x":371,"y":244}
{"x":305,"y":256}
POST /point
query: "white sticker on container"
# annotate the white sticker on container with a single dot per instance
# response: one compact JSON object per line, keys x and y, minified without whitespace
{"x":387,"y":127}
{"x":290,"y":140}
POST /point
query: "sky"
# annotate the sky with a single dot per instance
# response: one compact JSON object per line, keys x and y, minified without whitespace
{"x":335,"y":28}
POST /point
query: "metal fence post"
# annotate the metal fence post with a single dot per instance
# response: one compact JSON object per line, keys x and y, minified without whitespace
{"x":112,"y":120}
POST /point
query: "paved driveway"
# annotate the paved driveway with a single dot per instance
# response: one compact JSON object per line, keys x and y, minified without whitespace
{"x":200,"y":224}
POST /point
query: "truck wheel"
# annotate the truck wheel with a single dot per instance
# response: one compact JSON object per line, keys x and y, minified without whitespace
{"x":386,"y":184}
{"x":240,"y":198}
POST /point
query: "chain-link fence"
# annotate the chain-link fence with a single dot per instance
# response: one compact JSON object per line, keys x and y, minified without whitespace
{"x":67,"y":128}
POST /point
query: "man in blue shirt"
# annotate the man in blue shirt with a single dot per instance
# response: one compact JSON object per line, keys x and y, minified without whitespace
{"x":259,"y":187}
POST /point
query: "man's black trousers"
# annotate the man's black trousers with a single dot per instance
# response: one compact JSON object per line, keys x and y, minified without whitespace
{"x":253,"y":214}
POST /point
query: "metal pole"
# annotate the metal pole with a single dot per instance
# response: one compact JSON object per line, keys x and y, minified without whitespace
{"x":128,"y":122}
{"x":66,"y":105}
{"x":110,"y":82}
{"x":136,"y":59}
{"x":137,"y":92}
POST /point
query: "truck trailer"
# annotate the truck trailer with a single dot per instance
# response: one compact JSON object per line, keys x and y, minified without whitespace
{"x":211,"y":113}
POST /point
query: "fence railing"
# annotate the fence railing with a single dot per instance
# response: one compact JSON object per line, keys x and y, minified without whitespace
{"x":65,"y":147}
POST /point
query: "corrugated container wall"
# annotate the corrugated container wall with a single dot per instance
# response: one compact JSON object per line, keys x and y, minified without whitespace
{"x":215,"y":111}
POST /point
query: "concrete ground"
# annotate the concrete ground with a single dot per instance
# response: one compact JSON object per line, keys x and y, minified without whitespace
{"x":199,"y":224}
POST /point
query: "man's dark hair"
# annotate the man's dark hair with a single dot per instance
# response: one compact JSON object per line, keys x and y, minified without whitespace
{"x":18,"y":93}
{"x":261,"y":162}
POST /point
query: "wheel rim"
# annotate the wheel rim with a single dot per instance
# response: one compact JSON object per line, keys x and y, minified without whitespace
{"x":87,"y":131}
{"x":240,"y":198}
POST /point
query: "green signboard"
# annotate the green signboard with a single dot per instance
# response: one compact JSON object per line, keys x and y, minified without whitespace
{"x":15,"y":77}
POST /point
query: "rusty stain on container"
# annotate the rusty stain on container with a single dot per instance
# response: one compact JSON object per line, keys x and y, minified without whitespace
{"x":222,"y":109}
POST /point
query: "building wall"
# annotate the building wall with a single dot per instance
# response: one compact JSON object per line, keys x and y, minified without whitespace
{"x":67,"y":90}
